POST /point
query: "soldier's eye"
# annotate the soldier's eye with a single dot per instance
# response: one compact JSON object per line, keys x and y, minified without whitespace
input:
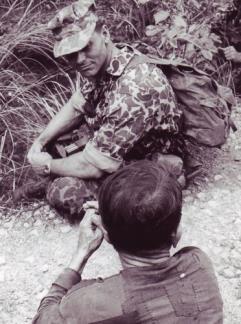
{"x":87,"y":47}
{"x":72,"y":57}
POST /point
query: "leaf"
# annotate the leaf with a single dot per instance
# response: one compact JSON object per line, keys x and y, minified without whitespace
{"x":172,"y":33}
{"x":143,"y":1}
{"x":152,"y":30}
{"x":207,"y":54}
{"x":192,"y":28}
{"x":179,"y":22}
{"x":160,"y":16}
{"x":173,"y":43}
{"x":196,"y":4}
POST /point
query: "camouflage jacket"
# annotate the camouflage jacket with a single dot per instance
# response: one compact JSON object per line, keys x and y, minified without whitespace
{"x":132,"y":112}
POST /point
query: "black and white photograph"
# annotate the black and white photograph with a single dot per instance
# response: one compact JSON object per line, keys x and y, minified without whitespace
{"x":120,"y":162}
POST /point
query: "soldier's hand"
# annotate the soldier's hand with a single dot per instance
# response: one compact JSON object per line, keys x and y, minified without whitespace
{"x":232,"y":54}
{"x":39,"y":161}
{"x":36,"y":148}
{"x":90,"y":238}
{"x":91,"y":204}
{"x":90,"y":232}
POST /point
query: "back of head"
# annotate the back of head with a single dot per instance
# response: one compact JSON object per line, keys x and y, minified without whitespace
{"x":140,"y":206}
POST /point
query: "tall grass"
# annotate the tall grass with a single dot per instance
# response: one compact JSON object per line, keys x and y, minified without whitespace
{"x":30,"y":88}
{"x":33,"y":86}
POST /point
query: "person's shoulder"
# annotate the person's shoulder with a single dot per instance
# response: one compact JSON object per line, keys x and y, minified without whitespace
{"x":91,"y":299}
{"x":195,"y":254}
{"x":140,"y":76}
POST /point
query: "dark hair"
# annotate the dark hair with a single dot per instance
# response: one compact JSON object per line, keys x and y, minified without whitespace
{"x":140,"y":206}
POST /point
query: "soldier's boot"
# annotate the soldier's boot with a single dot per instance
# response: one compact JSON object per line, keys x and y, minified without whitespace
{"x":32,"y":190}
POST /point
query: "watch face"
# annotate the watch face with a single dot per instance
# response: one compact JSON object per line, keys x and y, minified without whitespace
{"x":47,"y":169}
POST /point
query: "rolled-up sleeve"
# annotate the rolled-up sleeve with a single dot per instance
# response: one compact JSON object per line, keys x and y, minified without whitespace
{"x":100,"y":160}
{"x":49,"y":311}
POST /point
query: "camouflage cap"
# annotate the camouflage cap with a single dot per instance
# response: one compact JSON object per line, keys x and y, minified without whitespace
{"x":73,"y":27}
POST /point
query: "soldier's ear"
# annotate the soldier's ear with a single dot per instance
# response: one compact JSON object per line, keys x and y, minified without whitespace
{"x":105,"y":33}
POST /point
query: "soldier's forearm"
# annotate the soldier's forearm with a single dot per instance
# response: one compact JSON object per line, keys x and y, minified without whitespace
{"x":66,"y":119}
{"x":76,"y":166}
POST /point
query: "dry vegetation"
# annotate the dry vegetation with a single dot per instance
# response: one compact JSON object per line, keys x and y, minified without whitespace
{"x":33,"y":86}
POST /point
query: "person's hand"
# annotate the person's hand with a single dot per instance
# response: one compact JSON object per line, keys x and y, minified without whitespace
{"x":90,"y":238}
{"x":91,"y":204}
{"x":36,"y":148}
{"x":39,"y":161}
{"x":90,"y":232}
{"x":232,"y":54}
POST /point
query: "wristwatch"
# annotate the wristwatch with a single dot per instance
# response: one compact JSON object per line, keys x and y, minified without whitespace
{"x":46,"y":169}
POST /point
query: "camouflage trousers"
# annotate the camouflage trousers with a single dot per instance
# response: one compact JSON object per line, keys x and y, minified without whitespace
{"x":67,"y":194}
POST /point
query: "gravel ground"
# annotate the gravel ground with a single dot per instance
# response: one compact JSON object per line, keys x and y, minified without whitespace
{"x":36,"y":244}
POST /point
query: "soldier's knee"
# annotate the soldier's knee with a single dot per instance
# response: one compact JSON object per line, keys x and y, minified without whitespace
{"x":67,"y":195}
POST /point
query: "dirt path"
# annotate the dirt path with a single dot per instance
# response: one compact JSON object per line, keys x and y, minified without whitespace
{"x":36,"y":245}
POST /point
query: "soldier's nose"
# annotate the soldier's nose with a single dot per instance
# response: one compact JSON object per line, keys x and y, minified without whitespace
{"x":81,"y":57}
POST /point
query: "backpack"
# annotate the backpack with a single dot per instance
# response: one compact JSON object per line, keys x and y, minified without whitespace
{"x":206,"y":105}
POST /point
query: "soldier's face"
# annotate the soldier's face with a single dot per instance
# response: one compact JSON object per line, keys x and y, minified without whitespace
{"x":91,"y":59}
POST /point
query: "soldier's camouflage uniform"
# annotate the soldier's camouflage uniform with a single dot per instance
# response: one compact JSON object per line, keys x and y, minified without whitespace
{"x":132,"y":113}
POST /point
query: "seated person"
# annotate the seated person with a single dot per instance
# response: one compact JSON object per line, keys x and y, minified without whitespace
{"x":140,"y":209}
{"x":129,"y":109}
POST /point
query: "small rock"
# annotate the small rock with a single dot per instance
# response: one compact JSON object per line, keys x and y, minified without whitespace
{"x":2,"y":275}
{"x":65,"y":229}
{"x":57,"y":221}
{"x":239,"y":291}
{"x":237,"y":156}
{"x":3,"y":232}
{"x":218,"y":177}
{"x":51,"y":215}
{"x":34,"y":232}
{"x":30,"y":259}
{"x":227,"y":273}
{"x":45,"y":268}
{"x":186,"y":193}
{"x":201,"y":196}
{"x":2,"y":260}
{"x":188,"y":199}
{"x":38,"y":223}
{"x":9,"y":225}
{"x":38,"y":213}
{"x":213,"y":203}
{"x":26,"y":225}
{"x":60,"y":264}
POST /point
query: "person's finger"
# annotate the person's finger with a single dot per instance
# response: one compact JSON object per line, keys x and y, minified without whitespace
{"x":89,"y":218}
{"x":92,"y":218}
{"x":91,"y":204}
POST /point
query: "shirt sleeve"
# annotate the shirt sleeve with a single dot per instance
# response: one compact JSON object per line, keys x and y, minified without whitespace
{"x":142,"y":100}
{"x":48,"y":311}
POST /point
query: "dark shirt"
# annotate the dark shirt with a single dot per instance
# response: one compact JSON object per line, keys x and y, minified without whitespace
{"x":180,"y":290}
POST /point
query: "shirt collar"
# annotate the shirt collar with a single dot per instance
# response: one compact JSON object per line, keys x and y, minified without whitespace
{"x":119,"y":62}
